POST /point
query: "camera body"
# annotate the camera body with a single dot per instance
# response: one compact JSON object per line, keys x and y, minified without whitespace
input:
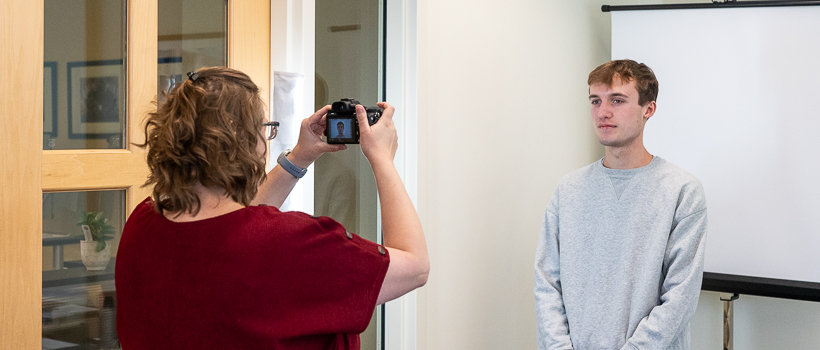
{"x":342,"y":125}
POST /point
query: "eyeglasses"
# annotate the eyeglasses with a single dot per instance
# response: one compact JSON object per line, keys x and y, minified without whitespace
{"x":272,"y":129}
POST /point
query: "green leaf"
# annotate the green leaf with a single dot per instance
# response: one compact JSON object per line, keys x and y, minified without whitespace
{"x":100,"y":246}
{"x":99,"y":225}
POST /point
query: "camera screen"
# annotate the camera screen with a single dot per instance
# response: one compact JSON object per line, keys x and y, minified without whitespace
{"x":340,"y":130}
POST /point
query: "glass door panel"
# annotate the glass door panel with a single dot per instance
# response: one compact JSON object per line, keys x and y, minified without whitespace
{"x":81,"y":232}
{"x":192,"y":35}
{"x":349,"y":55}
{"x":84,"y":74}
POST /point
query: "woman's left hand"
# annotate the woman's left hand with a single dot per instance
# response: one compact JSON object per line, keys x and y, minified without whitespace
{"x":310,"y":145}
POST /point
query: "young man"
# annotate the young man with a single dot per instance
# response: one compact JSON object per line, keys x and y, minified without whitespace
{"x":340,"y":130}
{"x":619,"y":261}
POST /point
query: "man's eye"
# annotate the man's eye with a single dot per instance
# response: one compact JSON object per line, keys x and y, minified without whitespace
{"x":618,"y":101}
{"x":596,"y":102}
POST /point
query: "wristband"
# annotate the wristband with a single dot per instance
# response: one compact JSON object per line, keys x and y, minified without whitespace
{"x":291,"y":168}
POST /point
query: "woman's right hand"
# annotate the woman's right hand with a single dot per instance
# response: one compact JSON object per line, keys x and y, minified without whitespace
{"x":310,"y":146}
{"x":379,"y":141}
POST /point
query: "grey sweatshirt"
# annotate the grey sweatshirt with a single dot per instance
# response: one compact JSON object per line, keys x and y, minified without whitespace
{"x":619,"y":261}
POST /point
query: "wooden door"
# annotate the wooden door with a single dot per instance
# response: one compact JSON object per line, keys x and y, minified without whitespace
{"x":28,"y":171}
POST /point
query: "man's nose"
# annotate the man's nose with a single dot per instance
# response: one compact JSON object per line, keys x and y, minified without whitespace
{"x":604,"y":111}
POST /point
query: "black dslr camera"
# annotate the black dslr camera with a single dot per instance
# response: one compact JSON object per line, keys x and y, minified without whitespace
{"x":342,"y":125}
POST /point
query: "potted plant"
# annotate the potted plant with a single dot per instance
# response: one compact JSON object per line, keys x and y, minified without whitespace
{"x":95,"y":252}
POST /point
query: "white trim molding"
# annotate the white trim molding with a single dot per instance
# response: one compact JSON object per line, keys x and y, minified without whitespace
{"x":402,"y":93}
{"x":293,"y":49}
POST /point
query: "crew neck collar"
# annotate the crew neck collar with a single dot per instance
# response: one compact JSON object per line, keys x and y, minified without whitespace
{"x":609,"y":171}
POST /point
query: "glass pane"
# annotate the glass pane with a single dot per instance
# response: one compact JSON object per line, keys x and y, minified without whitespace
{"x":84,"y":77}
{"x":192,"y":34}
{"x":348,"y":53}
{"x":79,"y":301}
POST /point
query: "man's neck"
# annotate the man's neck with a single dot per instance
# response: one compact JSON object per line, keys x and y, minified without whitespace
{"x":626,"y":157}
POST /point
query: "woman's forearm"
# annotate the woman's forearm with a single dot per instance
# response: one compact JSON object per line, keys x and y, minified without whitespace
{"x":400,"y":223}
{"x":278,"y":184}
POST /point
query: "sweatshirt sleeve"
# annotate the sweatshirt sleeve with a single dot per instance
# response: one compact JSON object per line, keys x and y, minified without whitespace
{"x":553,"y":330}
{"x":683,"y":271}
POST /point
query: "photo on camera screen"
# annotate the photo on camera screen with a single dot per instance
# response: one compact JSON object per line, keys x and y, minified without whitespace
{"x":340,"y":130}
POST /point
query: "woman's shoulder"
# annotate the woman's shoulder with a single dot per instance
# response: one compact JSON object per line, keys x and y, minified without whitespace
{"x":306,"y":230}
{"x":143,"y":211}
{"x":292,"y":220}
{"x":146,"y":206}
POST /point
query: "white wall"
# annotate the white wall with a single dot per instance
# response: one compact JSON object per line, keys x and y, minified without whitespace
{"x":503,"y":115}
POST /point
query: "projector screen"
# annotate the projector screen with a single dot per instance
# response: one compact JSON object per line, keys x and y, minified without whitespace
{"x":739,"y":107}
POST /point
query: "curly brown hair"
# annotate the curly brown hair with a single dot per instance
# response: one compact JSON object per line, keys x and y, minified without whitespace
{"x":207,"y":132}
{"x":628,"y":70}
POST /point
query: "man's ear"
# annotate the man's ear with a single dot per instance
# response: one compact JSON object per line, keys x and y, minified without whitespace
{"x":650,"y":110}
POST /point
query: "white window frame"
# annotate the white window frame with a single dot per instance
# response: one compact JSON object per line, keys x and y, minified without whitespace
{"x":402,"y":93}
{"x":293,"y":50}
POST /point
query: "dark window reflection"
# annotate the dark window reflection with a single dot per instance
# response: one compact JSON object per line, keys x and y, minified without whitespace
{"x":84,"y":97}
{"x":192,"y":34}
{"x":348,"y":52}
{"x":81,"y":232}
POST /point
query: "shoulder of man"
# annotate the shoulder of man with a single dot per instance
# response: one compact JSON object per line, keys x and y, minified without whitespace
{"x":571,"y":181}
{"x":691,"y":194}
{"x":673,"y":173}
{"x":579,"y":175}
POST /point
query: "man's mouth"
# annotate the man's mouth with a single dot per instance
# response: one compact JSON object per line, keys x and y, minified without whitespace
{"x":606,"y":126}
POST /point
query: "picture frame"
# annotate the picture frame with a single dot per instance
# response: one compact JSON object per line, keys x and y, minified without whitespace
{"x":50,"y":99}
{"x":169,"y":74}
{"x":96,"y":99}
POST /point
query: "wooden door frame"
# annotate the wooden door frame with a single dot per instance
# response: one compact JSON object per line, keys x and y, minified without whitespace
{"x":21,"y":138}
{"x":28,"y":171}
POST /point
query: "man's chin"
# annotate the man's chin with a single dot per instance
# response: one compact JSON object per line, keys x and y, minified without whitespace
{"x":611,"y":143}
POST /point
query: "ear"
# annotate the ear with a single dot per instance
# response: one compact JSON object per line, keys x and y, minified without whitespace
{"x":649,"y":110}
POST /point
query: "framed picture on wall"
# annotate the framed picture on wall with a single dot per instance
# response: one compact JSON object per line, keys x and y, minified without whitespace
{"x":169,"y":73}
{"x":96,"y":99}
{"x":50,"y":99}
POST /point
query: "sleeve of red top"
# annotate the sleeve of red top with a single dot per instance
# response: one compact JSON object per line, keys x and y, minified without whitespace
{"x":343,"y":276}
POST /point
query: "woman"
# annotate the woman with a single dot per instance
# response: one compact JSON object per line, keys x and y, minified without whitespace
{"x":209,"y":262}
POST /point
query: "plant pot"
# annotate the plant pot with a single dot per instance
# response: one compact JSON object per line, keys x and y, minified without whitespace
{"x":92,"y":259}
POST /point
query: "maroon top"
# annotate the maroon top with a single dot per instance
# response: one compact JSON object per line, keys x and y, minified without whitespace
{"x":255,"y":278}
